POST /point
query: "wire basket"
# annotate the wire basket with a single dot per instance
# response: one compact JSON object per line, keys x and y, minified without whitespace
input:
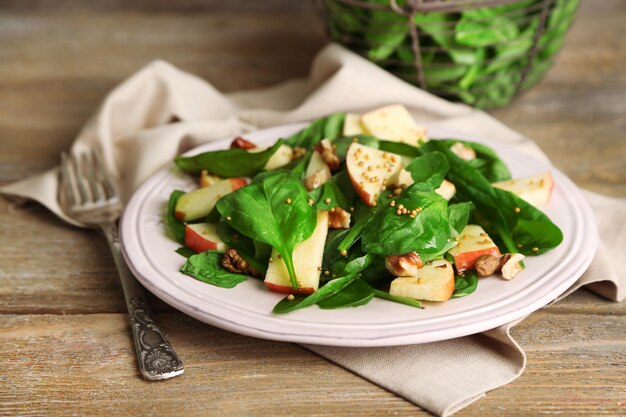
{"x":482,"y":52}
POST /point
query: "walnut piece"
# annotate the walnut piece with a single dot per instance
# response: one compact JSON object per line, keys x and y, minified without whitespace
{"x":242,"y":143}
{"x":338,"y":218}
{"x":486,"y":265}
{"x":235,"y":263}
{"x":511,"y":265}
{"x":326,"y":149}
{"x":404,"y":265}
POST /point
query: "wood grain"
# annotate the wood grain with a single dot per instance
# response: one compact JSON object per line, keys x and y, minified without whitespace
{"x":64,"y":335}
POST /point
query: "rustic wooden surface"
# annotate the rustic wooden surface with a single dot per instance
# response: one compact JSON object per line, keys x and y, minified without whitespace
{"x":64,"y":336}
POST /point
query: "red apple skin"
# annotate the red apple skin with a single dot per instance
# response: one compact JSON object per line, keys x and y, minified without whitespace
{"x":466,"y":260}
{"x":289,"y":290}
{"x":237,"y":183}
{"x":197,"y":242}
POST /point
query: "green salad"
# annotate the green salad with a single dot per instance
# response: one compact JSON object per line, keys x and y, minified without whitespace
{"x":355,"y":207}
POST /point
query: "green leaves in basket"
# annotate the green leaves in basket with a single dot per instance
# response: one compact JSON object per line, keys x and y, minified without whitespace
{"x":475,"y":55}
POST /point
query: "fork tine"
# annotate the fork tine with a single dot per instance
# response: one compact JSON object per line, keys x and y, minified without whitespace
{"x":103,"y":175}
{"x":66,"y":180}
{"x":78,"y":177}
{"x":91,"y":175}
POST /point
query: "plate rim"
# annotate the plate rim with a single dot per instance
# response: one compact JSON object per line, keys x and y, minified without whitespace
{"x":388,"y":339}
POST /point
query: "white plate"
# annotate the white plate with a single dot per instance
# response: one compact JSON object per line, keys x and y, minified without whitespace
{"x":247,"y":309}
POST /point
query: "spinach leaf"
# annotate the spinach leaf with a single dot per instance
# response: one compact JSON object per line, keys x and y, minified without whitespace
{"x":399,"y":148}
{"x":532,"y":230}
{"x":484,"y":27}
{"x":234,"y":239}
{"x":487,"y":160}
{"x":342,"y":144}
{"x":350,"y":272}
{"x":175,"y":227}
{"x":505,"y":216}
{"x":428,"y":170}
{"x":332,"y":287}
{"x":458,"y":215}
{"x":327,"y":127}
{"x":389,"y":233}
{"x":207,"y":267}
{"x":329,"y":196}
{"x":298,"y":167}
{"x":356,"y":294}
{"x":465,"y":285}
{"x":376,"y":271}
{"x":254,"y":252}
{"x":355,"y":261}
{"x":185,"y":252}
{"x":331,"y":252}
{"x":228,"y":163}
{"x":343,"y":182}
{"x":397,"y":299}
{"x":386,"y":31}
{"x":275,"y":211}
{"x":361,"y":217}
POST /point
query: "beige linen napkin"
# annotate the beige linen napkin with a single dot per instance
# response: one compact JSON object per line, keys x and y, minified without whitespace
{"x":161,"y":111}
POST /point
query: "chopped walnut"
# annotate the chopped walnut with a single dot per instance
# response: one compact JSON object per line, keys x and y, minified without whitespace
{"x":235,"y":263}
{"x":207,"y":179}
{"x":404,"y":265}
{"x":486,"y":265}
{"x":338,"y":218}
{"x":242,"y":143}
{"x":326,"y":149}
{"x":463,"y":151}
{"x":511,"y":265}
{"x":298,"y":152}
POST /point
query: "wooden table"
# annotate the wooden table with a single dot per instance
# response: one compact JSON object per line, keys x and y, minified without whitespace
{"x":64,"y":338}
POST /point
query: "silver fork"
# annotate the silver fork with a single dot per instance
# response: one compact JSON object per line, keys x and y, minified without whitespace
{"x":89,"y":197}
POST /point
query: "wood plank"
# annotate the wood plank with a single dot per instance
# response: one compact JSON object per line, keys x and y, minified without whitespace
{"x":55,"y":68}
{"x":53,"y":363}
{"x":84,"y":365}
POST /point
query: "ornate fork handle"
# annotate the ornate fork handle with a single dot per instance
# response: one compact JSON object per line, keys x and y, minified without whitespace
{"x":157,"y":360}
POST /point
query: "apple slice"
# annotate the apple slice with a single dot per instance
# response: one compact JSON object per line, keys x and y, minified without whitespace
{"x":463,"y":151}
{"x":317,"y":172}
{"x":403,"y":179}
{"x":434,"y":282}
{"x":201,"y":237}
{"x":307,"y":258}
{"x":446,"y":190}
{"x":370,"y":169}
{"x":280,"y":158}
{"x":352,"y":125}
{"x":206,"y":179}
{"x":393,"y":123}
{"x":473,"y":242}
{"x":536,"y":190}
{"x":198,"y":203}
